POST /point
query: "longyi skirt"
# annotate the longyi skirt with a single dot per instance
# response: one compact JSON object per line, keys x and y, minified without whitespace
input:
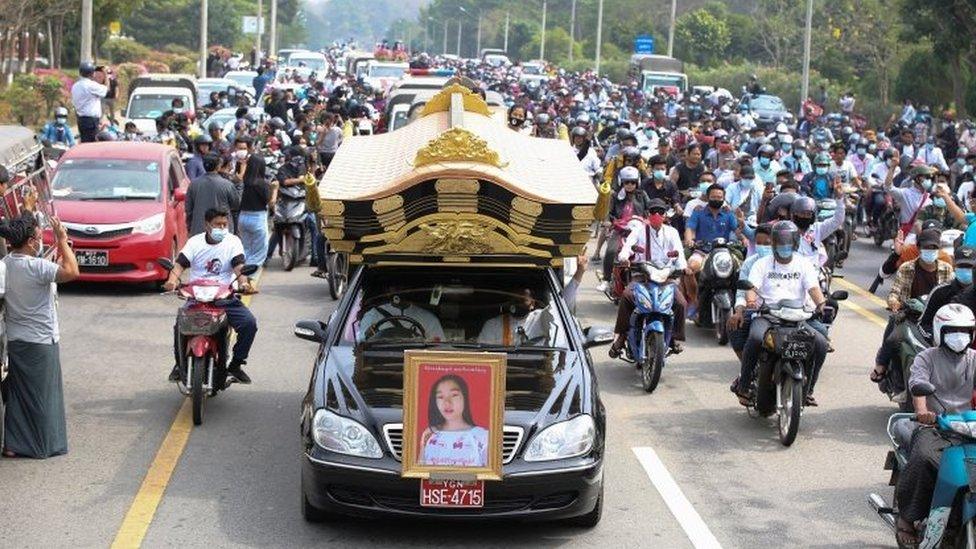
{"x":34,"y":423}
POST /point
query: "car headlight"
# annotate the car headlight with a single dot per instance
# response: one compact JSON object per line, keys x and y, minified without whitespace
{"x":150,"y":225}
{"x":722,"y":263}
{"x":566,"y":439}
{"x":964,"y":428}
{"x":344,"y":436}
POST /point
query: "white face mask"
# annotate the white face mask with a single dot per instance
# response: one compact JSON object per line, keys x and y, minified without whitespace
{"x":956,"y":341}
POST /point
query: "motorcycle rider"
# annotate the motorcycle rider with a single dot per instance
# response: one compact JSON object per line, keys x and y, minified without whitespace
{"x":629,"y":156}
{"x":784,"y":275}
{"x":818,"y":183}
{"x":963,"y":261}
{"x":58,"y":131}
{"x":949,"y":366}
{"x":797,"y":162}
{"x":746,"y":191}
{"x":932,"y":155}
{"x":657,"y":243}
{"x":687,"y":173}
{"x":218,"y":255}
{"x":716,"y":220}
{"x":911,"y":199}
{"x":766,"y":164}
{"x":659,"y":186}
{"x":861,"y":159}
{"x":585,"y":152}
{"x":628,"y":202}
{"x":741,"y":318}
{"x":291,"y":173}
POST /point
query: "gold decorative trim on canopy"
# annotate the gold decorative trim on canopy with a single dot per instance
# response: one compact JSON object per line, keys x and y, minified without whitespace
{"x":457,"y":145}
{"x":442,"y":101}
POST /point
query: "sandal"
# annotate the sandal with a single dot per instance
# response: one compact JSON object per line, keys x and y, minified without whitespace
{"x":9,"y":454}
{"x":318,"y":273}
{"x":878,"y":376}
{"x":810,"y":401}
{"x":906,"y":536}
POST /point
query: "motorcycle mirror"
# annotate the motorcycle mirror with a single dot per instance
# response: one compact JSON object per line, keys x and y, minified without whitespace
{"x":923,"y":389}
{"x":248,"y":270}
{"x":595,"y":336}
{"x":166,"y":263}
{"x":310,"y":330}
{"x":839,"y":295}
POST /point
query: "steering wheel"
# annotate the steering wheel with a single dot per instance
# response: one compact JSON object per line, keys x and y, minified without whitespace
{"x":415,"y":328}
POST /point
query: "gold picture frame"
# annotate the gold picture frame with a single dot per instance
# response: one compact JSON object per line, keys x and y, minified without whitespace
{"x":430,"y":375}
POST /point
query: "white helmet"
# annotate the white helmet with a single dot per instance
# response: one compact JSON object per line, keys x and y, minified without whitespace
{"x":786,"y":139}
{"x":953,"y":315}
{"x":60,"y":112}
{"x":629,"y":173}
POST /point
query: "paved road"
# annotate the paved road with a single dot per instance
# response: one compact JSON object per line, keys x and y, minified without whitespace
{"x":236,"y":483}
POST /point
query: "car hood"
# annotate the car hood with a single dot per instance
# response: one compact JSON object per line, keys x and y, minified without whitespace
{"x":106,"y":212}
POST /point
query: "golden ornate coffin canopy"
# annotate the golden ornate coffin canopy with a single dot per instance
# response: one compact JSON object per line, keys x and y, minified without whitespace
{"x":456,"y":186}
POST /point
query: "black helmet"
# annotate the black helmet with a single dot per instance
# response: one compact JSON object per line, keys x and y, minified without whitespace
{"x":202,"y":139}
{"x":803,"y":205}
{"x":785,"y":233}
{"x":624,"y":134}
{"x":277,"y":123}
{"x":542,"y":118}
{"x":578,"y":131}
{"x":782,"y":201}
{"x":630,"y":154}
{"x":86,"y":69}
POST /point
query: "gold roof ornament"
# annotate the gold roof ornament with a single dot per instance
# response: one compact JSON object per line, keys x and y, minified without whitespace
{"x":442,"y":101}
{"x":460,"y":145}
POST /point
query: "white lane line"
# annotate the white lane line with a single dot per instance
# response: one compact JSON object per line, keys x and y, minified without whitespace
{"x":689,"y":519}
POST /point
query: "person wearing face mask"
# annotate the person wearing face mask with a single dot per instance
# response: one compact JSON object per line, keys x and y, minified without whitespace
{"x":932,"y":155}
{"x":861,"y":159}
{"x":818,"y":183}
{"x":651,"y":241}
{"x":911,"y":200}
{"x":58,"y":131}
{"x":626,"y":203}
{"x":784,"y":275}
{"x":959,"y":167}
{"x":201,"y":147}
{"x":659,"y":186}
{"x":585,"y":152}
{"x":963,"y":260}
{"x":765,"y":165}
{"x":218,"y":255}
{"x":34,"y":422}
{"x":741,"y":318}
{"x":207,"y":192}
{"x":516,"y":118}
{"x":715,"y":220}
{"x":950,"y":367}
{"x":745,"y":192}
{"x":803,"y":213}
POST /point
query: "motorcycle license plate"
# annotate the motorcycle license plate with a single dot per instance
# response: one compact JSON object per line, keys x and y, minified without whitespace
{"x":796,"y":350}
{"x":452,"y":493}
{"x":92,"y":258}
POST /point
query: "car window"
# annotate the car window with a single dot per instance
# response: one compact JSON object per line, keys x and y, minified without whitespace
{"x":497,"y":308}
{"x":107,"y":179}
{"x":153,"y":105}
{"x":767,"y":102}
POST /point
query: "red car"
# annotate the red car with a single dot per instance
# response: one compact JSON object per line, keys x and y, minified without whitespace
{"x":122,"y":204}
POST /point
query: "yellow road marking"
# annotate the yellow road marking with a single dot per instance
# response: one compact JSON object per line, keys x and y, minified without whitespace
{"x":860,"y":291}
{"x":140,"y":514}
{"x":865,"y":313}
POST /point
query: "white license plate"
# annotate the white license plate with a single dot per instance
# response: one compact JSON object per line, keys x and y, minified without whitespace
{"x":452,"y":493}
{"x":92,"y":258}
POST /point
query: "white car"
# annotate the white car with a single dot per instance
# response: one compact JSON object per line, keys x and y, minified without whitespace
{"x":382,"y":75}
{"x":243,"y":79}
{"x":148,"y":104}
{"x":306,"y":62}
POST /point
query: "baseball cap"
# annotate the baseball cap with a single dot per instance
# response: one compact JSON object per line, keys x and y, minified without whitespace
{"x":929,"y":237}
{"x":965,"y":256}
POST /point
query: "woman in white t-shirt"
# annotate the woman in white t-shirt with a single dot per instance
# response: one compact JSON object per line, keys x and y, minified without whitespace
{"x":452,"y":438}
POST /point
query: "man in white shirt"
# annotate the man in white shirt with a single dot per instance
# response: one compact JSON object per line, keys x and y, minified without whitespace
{"x":650,"y":241}
{"x":932,"y":155}
{"x":217,"y":255}
{"x":784,"y":275}
{"x":745,"y":191}
{"x":400,"y":306}
{"x":86,"y":95}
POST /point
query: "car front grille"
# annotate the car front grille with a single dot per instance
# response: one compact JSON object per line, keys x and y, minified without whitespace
{"x":511,"y":440}
{"x":107,"y":269}
{"x":409,"y":501}
{"x":107,"y":235}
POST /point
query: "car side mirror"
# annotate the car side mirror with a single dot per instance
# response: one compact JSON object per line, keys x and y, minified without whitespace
{"x":595,"y":336}
{"x":839,"y":295}
{"x":166,"y":263}
{"x":923,"y":389}
{"x":310,"y":330}
{"x":179,"y":194}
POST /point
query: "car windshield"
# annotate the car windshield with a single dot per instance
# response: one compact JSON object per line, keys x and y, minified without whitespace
{"x":767,"y":103}
{"x":379,"y":71}
{"x":656,"y":81}
{"x":101,"y":179}
{"x":497,"y":308}
{"x":314,"y":63}
{"x":153,"y":105}
{"x":242,"y":79}
{"x":531,"y":69}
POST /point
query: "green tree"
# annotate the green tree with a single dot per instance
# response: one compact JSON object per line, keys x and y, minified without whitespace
{"x":701,"y":38}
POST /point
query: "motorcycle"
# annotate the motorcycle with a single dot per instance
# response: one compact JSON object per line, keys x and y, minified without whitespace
{"x":650,"y":332}
{"x":952,"y":513}
{"x":716,"y":286}
{"x":834,"y":243}
{"x":289,"y":223}
{"x":886,"y":225}
{"x":785,"y":362}
{"x":619,"y":276}
{"x":203,"y":337}
{"x":914,"y":340}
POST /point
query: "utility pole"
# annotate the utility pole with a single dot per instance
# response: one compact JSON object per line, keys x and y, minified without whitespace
{"x":86,"y":30}
{"x":599,"y":33}
{"x":542,"y":43}
{"x":805,"y":91}
{"x":674,"y":13}
{"x":505,"y":47}
{"x":479,"y":33}
{"x":203,"y":38}
{"x":426,"y":24}
{"x":273,"y":37}
{"x":572,"y":29}
{"x":444,"y":47}
{"x":257,"y":40}
{"x":460,"y":24}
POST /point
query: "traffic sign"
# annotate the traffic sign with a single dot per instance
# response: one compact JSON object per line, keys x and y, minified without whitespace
{"x":115,"y":28}
{"x":249,"y":24}
{"x":644,"y":43}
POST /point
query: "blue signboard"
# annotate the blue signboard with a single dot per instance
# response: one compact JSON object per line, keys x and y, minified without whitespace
{"x":644,"y":43}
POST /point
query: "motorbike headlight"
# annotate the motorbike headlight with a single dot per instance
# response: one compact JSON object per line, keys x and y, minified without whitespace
{"x":566,"y":439}
{"x":205,"y":294}
{"x":344,"y":436}
{"x":964,"y":428}
{"x":150,"y":225}
{"x":722,"y":264}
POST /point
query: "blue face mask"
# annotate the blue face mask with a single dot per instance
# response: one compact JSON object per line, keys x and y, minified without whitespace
{"x":862,"y":152}
{"x":821,"y":170}
{"x":926,"y":185}
{"x":784,"y":251}
{"x":929,"y":146}
{"x":939,"y":202}
{"x":764,"y":162}
{"x":658,"y":174}
{"x":964,"y":276}
{"x":217,"y":234}
{"x":929,"y":256}
{"x":798,"y":153}
{"x":787,"y":147}
{"x":764,"y":250}
{"x":703,"y":188}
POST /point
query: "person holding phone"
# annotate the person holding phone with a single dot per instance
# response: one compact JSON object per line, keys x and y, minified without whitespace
{"x":86,"y":95}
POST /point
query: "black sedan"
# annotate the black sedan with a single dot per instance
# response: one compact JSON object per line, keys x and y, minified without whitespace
{"x":352,"y":416}
{"x":769,"y":111}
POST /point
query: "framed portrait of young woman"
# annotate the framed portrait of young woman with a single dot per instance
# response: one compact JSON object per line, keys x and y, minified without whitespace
{"x":453,"y":413}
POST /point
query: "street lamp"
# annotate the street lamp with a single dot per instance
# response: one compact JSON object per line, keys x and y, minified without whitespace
{"x":542,"y":43}
{"x":460,"y":24}
{"x":599,"y":34}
